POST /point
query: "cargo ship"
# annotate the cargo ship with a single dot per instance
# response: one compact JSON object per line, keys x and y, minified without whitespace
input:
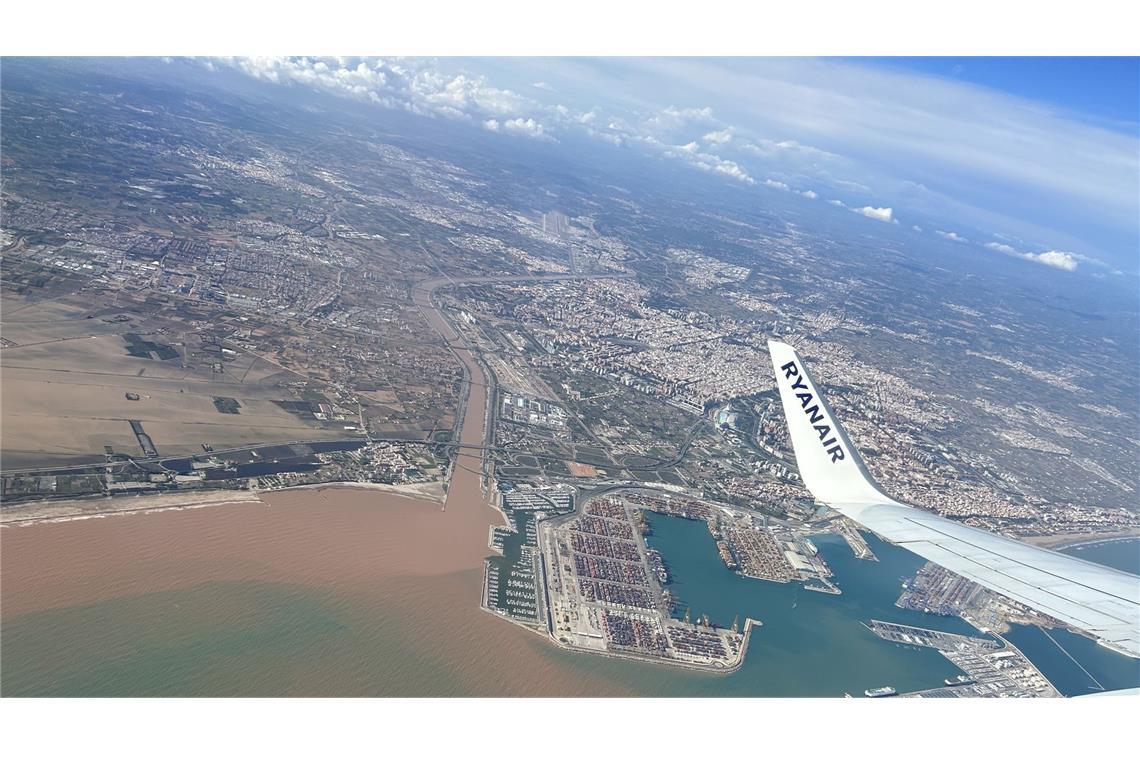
{"x":882,"y":691}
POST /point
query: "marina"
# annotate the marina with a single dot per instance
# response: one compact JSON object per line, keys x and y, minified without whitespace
{"x":512,"y":581}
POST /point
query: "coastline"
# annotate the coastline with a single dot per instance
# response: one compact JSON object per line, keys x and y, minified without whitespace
{"x":1068,"y":540}
{"x":469,"y":488}
{"x":429,"y":491}
{"x":36,"y":512}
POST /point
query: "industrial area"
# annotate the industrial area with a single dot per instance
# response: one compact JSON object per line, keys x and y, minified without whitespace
{"x":992,"y":668}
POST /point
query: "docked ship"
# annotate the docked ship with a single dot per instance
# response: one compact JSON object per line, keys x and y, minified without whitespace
{"x":657,"y":565}
{"x":882,"y":691}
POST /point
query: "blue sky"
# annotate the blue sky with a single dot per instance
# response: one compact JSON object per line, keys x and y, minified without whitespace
{"x":1033,"y":158}
{"x":1103,"y":89}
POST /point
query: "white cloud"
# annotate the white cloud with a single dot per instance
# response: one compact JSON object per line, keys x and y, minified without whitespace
{"x":708,"y":162}
{"x":1001,"y":248}
{"x":880,"y":214}
{"x":916,"y":228}
{"x":1093,"y":261}
{"x":772,"y":148}
{"x":609,"y":137}
{"x":526,"y":128}
{"x":1056,"y":259}
{"x":951,"y":236}
{"x":972,"y":156}
{"x":839,"y":203}
{"x":522,"y":127}
{"x":1011,"y":156}
{"x":688,"y":114}
{"x":1062,"y":260}
{"x":731,"y":169}
{"x":414,"y":85}
{"x":719,"y":137}
{"x":812,"y":194}
{"x":776,"y":184}
{"x":692,"y":155}
{"x":857,"y":187}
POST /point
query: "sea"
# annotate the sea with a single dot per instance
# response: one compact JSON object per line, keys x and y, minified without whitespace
{"x":364,"y":593}
{"x":1075,"y":664}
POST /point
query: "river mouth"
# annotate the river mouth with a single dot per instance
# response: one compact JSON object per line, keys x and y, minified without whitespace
{"x":343,"y":592}
{"x":346,"y":592}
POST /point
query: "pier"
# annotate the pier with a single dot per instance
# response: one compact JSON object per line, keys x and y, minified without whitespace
{"x":993,"y":668}
{"x":854,"y":538}
{"x":513,"y":582}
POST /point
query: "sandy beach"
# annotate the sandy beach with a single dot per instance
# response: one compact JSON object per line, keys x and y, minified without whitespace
{"x":82,"y":509}
{"x":1062,"y":540}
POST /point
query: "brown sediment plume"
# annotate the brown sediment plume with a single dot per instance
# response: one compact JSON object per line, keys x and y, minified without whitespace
{"x":341,"y":536}
{"x":376,"y":556}
{"x":373,"y":553}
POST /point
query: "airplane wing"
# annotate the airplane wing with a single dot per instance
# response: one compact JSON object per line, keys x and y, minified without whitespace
{"x":1099,"y":600}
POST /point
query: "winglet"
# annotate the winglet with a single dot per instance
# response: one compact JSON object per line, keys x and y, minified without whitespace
{"x":829,"y":465}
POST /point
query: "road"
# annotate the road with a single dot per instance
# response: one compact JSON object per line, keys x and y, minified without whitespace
{"x":475,"y":431}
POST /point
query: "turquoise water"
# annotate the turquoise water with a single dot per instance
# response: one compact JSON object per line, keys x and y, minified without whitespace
{"x":821,"y":648}
{"x":1087,"y":667}
{"x":264,"y":639}
{"x":1095,"y":668}
{"x":811,"y":644}
{"x":1121,"y":553}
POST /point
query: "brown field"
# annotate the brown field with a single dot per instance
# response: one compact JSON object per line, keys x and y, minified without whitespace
{"x":577,"y":469}
{"x":65,"y":381}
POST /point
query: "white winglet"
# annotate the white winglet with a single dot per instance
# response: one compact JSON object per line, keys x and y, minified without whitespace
{"x":829,"y":465}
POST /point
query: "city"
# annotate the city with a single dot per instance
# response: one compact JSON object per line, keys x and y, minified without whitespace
{"x":268,"y":303}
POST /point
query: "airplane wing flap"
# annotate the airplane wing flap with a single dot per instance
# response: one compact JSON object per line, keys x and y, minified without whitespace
{"x":1092,"y":597}
{"x":1015,"y":581}
{"x":1042,"y":568}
